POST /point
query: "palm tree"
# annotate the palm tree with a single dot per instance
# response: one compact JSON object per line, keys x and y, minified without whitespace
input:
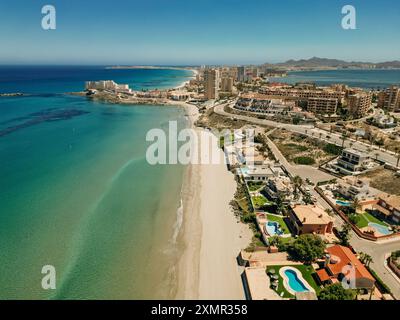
{"x":397,"y":150}
{"x":355,"y":204}
{"x":369,"y":260}
{"x":366,"y":258}
{"x":297,"y":182}
{"x":280,"y":206}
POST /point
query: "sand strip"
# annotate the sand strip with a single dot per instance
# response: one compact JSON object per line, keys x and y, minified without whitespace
{"x":211,"y":236}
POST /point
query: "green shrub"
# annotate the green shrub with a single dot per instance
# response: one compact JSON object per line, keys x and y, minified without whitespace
{"x":304,"y":160}
{"x":354,"y":218}
{"x":332,"y":149}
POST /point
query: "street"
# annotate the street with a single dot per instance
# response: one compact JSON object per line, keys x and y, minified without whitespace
{"x":377,"y":250}
{"x":311,"y":131}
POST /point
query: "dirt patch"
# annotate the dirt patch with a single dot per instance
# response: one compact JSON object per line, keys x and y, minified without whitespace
{"x":384,"y":180}
{"x":299,"y":149}
{"x":210,"y":119}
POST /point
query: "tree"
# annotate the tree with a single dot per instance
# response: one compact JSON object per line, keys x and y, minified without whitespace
{"x":344,"y":137}
{"x":280,"y":205}
{"x":355,"y":205}
{"x":397,"y":150}
{"x":307,"y":248}
{"x":336,"y":292}
{"x":366,"y":258}
{"x":354,"y":218}
{"x":344,"y":235}
{"x":297,"y":182}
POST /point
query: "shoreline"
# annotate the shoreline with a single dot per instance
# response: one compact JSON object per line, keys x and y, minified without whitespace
{"x":211,"y":236}
{"x":182,"y":85}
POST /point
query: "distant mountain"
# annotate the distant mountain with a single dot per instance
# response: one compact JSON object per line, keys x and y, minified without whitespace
{"x":389,"y":64}
{"x":316,"y":62}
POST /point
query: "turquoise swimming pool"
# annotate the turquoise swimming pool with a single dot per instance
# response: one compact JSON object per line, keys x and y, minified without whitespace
{"x":380,"y":228}
{"x":343,"y":203}
{"x":272,"y":228}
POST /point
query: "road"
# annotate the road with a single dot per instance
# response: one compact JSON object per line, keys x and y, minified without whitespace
{"x":377,"y":250}
{"x":309,"y":130}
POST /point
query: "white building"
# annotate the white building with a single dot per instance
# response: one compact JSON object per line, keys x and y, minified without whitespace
{"x":107,"y":85}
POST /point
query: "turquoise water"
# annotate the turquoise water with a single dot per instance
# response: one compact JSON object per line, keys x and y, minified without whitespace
{"x":77,"y":193}
{"x":294,"y":282}
{"x":355,"y":78}
{"x":343,"y":203}
{"x":273,"y":228}
{"x":381,"y":229}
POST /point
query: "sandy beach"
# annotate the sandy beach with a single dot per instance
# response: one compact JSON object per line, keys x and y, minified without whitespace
{"x":211,"y":236}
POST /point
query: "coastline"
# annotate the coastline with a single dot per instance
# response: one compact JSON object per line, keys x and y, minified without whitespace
{"x":211,"y":236}
{"x":183,"y":84}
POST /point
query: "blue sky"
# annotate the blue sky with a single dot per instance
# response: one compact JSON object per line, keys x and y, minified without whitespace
{"x":196,"y":31}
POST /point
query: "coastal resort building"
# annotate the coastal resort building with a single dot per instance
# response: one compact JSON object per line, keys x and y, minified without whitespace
{"x":309,"y":219}
{"x":352,"y":187}
{"x":227,"y":84}
{"x":389,"y":99}
{"x":104,"y":85}
{"x":351,"y":162}
{"x":359,"y":103}
{"x":260,"y":103}
{"x":341,"y":264}
{"x":211,"y":84}
{"x":279,"y":187}
{"x":262,"y":172}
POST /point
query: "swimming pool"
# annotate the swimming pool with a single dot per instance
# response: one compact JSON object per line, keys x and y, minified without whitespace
{"x":272,"y":228}
{"x":343,"y":203}
{"x":293,"y":280}
{"x":380,"y":228}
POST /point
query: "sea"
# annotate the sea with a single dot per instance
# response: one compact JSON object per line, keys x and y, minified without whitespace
{"x":76,"y":191}
{"x":366,"y":79}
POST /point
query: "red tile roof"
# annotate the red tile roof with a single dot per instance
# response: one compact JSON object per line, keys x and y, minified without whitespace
{"x":323,"y":275}
{"x":341,"y":257}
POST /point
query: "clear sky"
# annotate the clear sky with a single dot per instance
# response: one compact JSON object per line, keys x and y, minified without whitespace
{"x":196,"y":31}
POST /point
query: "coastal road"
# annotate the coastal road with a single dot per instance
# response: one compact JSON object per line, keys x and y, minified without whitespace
{"x":305,"y":172}
{"x":309,"y":130}
{"x":377,"y":250}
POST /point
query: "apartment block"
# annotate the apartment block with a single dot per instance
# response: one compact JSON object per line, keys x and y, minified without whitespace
{"x":359,"y":103}
{"x":211,"y":84}
{"x":322,"y":105}
{"x":227,"y":84}
{"x":390,"y":99}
